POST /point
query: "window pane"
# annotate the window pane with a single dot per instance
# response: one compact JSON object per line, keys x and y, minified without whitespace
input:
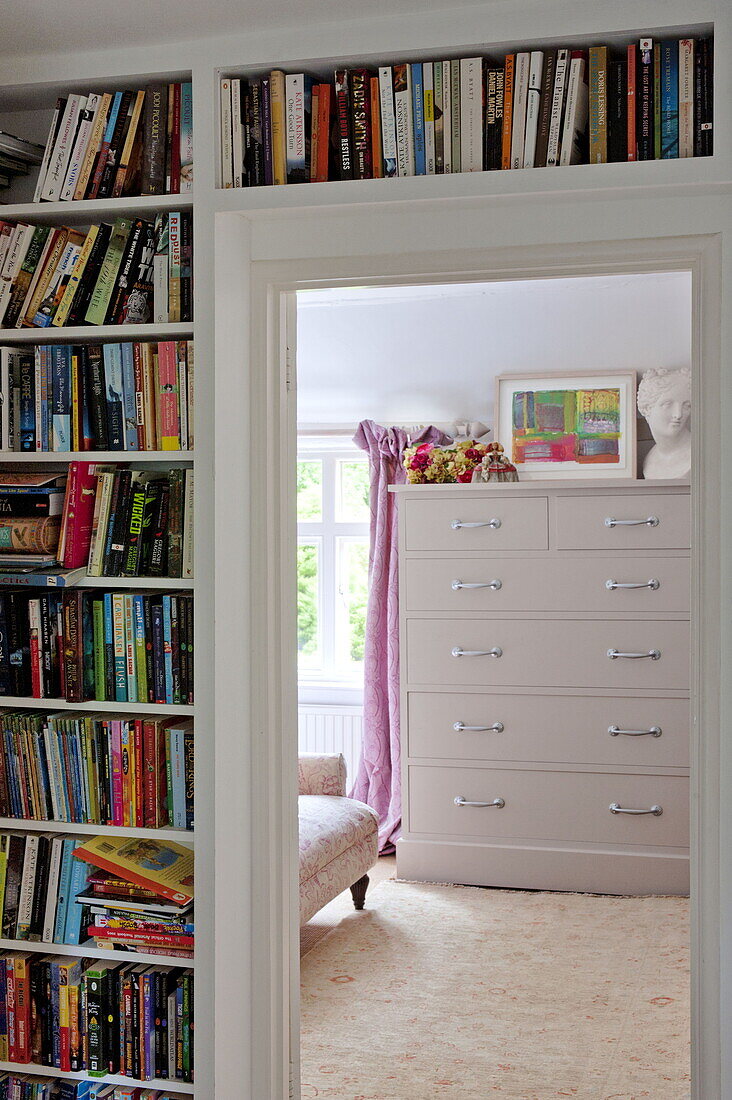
{"x":309,"y":489}
{"x":353,"y":577}
{"x":308,"y":605}
{"x":352,"y":504}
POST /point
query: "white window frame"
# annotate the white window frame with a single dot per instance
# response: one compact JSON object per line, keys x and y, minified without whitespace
{"x":325,"y":685}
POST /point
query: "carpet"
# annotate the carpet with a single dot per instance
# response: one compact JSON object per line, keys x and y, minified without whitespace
{"x":461,"y":992}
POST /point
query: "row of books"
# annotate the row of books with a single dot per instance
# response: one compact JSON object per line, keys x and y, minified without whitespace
{"x":537,"y":108}
{"x":39,"y":880}
{"x":30,"y":516}
{"x":92,"y":769}
{"x":106,"y":144}
{"x":16,"y":157}
{"x":78,"y":1014}
{"x":113,"y":646}
{"x":97,"y":397}
{"x":29,"y":1086}
{"x":143,"y":523}
{"x":130,"y":272}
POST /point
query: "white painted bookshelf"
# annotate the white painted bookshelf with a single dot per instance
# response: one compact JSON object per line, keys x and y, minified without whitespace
{"x":241,"y":1040}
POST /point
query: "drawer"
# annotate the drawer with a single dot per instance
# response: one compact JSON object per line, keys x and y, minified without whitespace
{"x":582,"y":522}
{"x":548,"y":653}
{"x":558,"y":729}
{"x":547,"y":584}
{"x":506,"y":524}
{"x":562,"y":806}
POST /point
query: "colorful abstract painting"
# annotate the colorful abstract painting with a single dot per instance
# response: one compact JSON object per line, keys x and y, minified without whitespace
{"x":568,"y":424}
{"x":581,"y":426}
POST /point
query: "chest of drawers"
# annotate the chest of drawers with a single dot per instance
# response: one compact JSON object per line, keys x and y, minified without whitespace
{"x":545,"y":678}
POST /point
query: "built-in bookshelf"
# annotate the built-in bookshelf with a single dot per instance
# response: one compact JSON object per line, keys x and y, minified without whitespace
{"x":160,"y":343}
{"x":641,"y":98}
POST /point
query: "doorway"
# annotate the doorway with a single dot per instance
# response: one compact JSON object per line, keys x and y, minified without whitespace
{"x":274,"y":284}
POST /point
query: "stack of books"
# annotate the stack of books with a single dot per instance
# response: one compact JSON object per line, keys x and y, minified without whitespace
{"x":80,"y":645}
{"x":90,"y":769}
{"x":31,"y":508}
{"x":78,"y":1014}
{"x":27,"y":1086}
{"x":529,"y":109}
{"x":39,"y":880}
{"x":16,"y":157}
{"x":107,"y":144}
{"x":141,"y":895}
{"x":97,"y":397}
{"x":132,"y":271}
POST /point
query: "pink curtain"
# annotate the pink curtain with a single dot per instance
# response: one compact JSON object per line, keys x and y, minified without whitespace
{"x":378,"y":782}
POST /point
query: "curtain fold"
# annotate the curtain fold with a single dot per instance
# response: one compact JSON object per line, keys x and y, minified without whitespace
{"x":378,"y":782}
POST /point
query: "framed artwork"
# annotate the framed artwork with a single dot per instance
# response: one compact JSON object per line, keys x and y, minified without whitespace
{"x":568,"y":424}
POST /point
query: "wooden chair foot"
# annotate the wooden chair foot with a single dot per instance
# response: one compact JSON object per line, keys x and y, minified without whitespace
{"x":358,"y":890}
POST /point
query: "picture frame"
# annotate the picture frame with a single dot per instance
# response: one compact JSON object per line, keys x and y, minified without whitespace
{"x":583,"y":425}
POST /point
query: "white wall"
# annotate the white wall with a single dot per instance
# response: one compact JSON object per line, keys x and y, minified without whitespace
{"x":406,"y":355}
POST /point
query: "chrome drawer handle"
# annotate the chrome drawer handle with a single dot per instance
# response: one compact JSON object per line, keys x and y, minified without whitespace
{"x":495,"y":652}
{"x":495,"y":585}
{"x":653,"y":654}
{"x":457,"y":524}
{"x":650,"y":521}
{"x":616,"y":809}
{"x":460,"y":727}
{"x":654,"y":585}
{"x":499,"y":803}
{"x":654,"y":731}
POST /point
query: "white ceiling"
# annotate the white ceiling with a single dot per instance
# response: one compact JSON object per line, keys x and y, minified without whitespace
{"x":407,"y":355}
{"x":40,"y":26}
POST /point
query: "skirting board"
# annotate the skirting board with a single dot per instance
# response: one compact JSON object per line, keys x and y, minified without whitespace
{"x":589,"y":871}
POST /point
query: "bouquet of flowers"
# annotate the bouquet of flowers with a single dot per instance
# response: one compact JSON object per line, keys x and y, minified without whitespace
{"x":429,"y":464}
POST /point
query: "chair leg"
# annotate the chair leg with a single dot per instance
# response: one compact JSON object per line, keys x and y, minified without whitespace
{"x":358,"y":890}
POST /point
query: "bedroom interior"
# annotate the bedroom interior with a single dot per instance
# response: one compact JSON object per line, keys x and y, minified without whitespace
{"x":517,"y":783}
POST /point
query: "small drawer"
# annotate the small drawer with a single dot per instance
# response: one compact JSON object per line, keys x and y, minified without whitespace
{"x":562,"y":806}
{"x":628,"y":584}
{"x":477,"y":522}
{"x":548,"y":653}
{"x":557,"y":729}
{"x":633,"y":522}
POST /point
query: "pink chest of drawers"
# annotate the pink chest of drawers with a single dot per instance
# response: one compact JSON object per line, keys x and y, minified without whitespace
{"x":545,"y":678}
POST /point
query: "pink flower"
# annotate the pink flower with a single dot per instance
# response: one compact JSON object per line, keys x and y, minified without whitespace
{"x":467,"y":476}
{"x":473,"y":454}
{"x":420,"y":461}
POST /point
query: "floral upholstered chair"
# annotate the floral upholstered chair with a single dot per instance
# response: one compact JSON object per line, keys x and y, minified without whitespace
{"x":338,"y":835}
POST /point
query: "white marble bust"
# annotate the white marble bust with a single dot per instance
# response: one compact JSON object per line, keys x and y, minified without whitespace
{"x":664,"y":399}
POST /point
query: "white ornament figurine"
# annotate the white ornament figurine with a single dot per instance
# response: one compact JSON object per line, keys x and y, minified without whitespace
{"x":664,"y":399}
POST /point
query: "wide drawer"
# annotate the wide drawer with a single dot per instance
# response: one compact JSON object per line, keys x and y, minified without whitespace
{"x":563,"y":806}
{"x":558,"y":729}
{"x":548,"y":653}
{"x":547,"y":584}
{"x":633,"y":522}
{"x":436,"y":524}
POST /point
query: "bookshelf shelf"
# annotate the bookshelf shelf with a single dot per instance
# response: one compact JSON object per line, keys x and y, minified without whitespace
{"x":21,"y":702}
{"x":135,"y":582}
{"x":60,"y":458}
{"x":20,"y":824}
{"x":89,"y":952}
{"x":89,"y":210}
{"x":92,"y":334}
{"x":110,"y":1079}
{"x":677,"y":176}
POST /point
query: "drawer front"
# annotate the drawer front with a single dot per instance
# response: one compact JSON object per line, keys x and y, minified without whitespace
{"x":547,"y":653}
{"x":590,"y":523}
{"x":567,"y":806}
{"x":547,"y":584}
{"x":558,"y":729}
{"x":514,"y":524}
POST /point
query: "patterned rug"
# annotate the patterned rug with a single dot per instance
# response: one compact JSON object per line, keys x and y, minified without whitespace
{"x":460,"y":992}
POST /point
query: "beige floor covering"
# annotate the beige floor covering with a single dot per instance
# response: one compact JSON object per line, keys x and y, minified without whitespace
{"x":439,"y":991}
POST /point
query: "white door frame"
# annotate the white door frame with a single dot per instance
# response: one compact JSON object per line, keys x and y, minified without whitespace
{"x":268,"y":257}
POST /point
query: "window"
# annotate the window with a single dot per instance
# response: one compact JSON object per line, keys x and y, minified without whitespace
{"x":332,"y":569}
